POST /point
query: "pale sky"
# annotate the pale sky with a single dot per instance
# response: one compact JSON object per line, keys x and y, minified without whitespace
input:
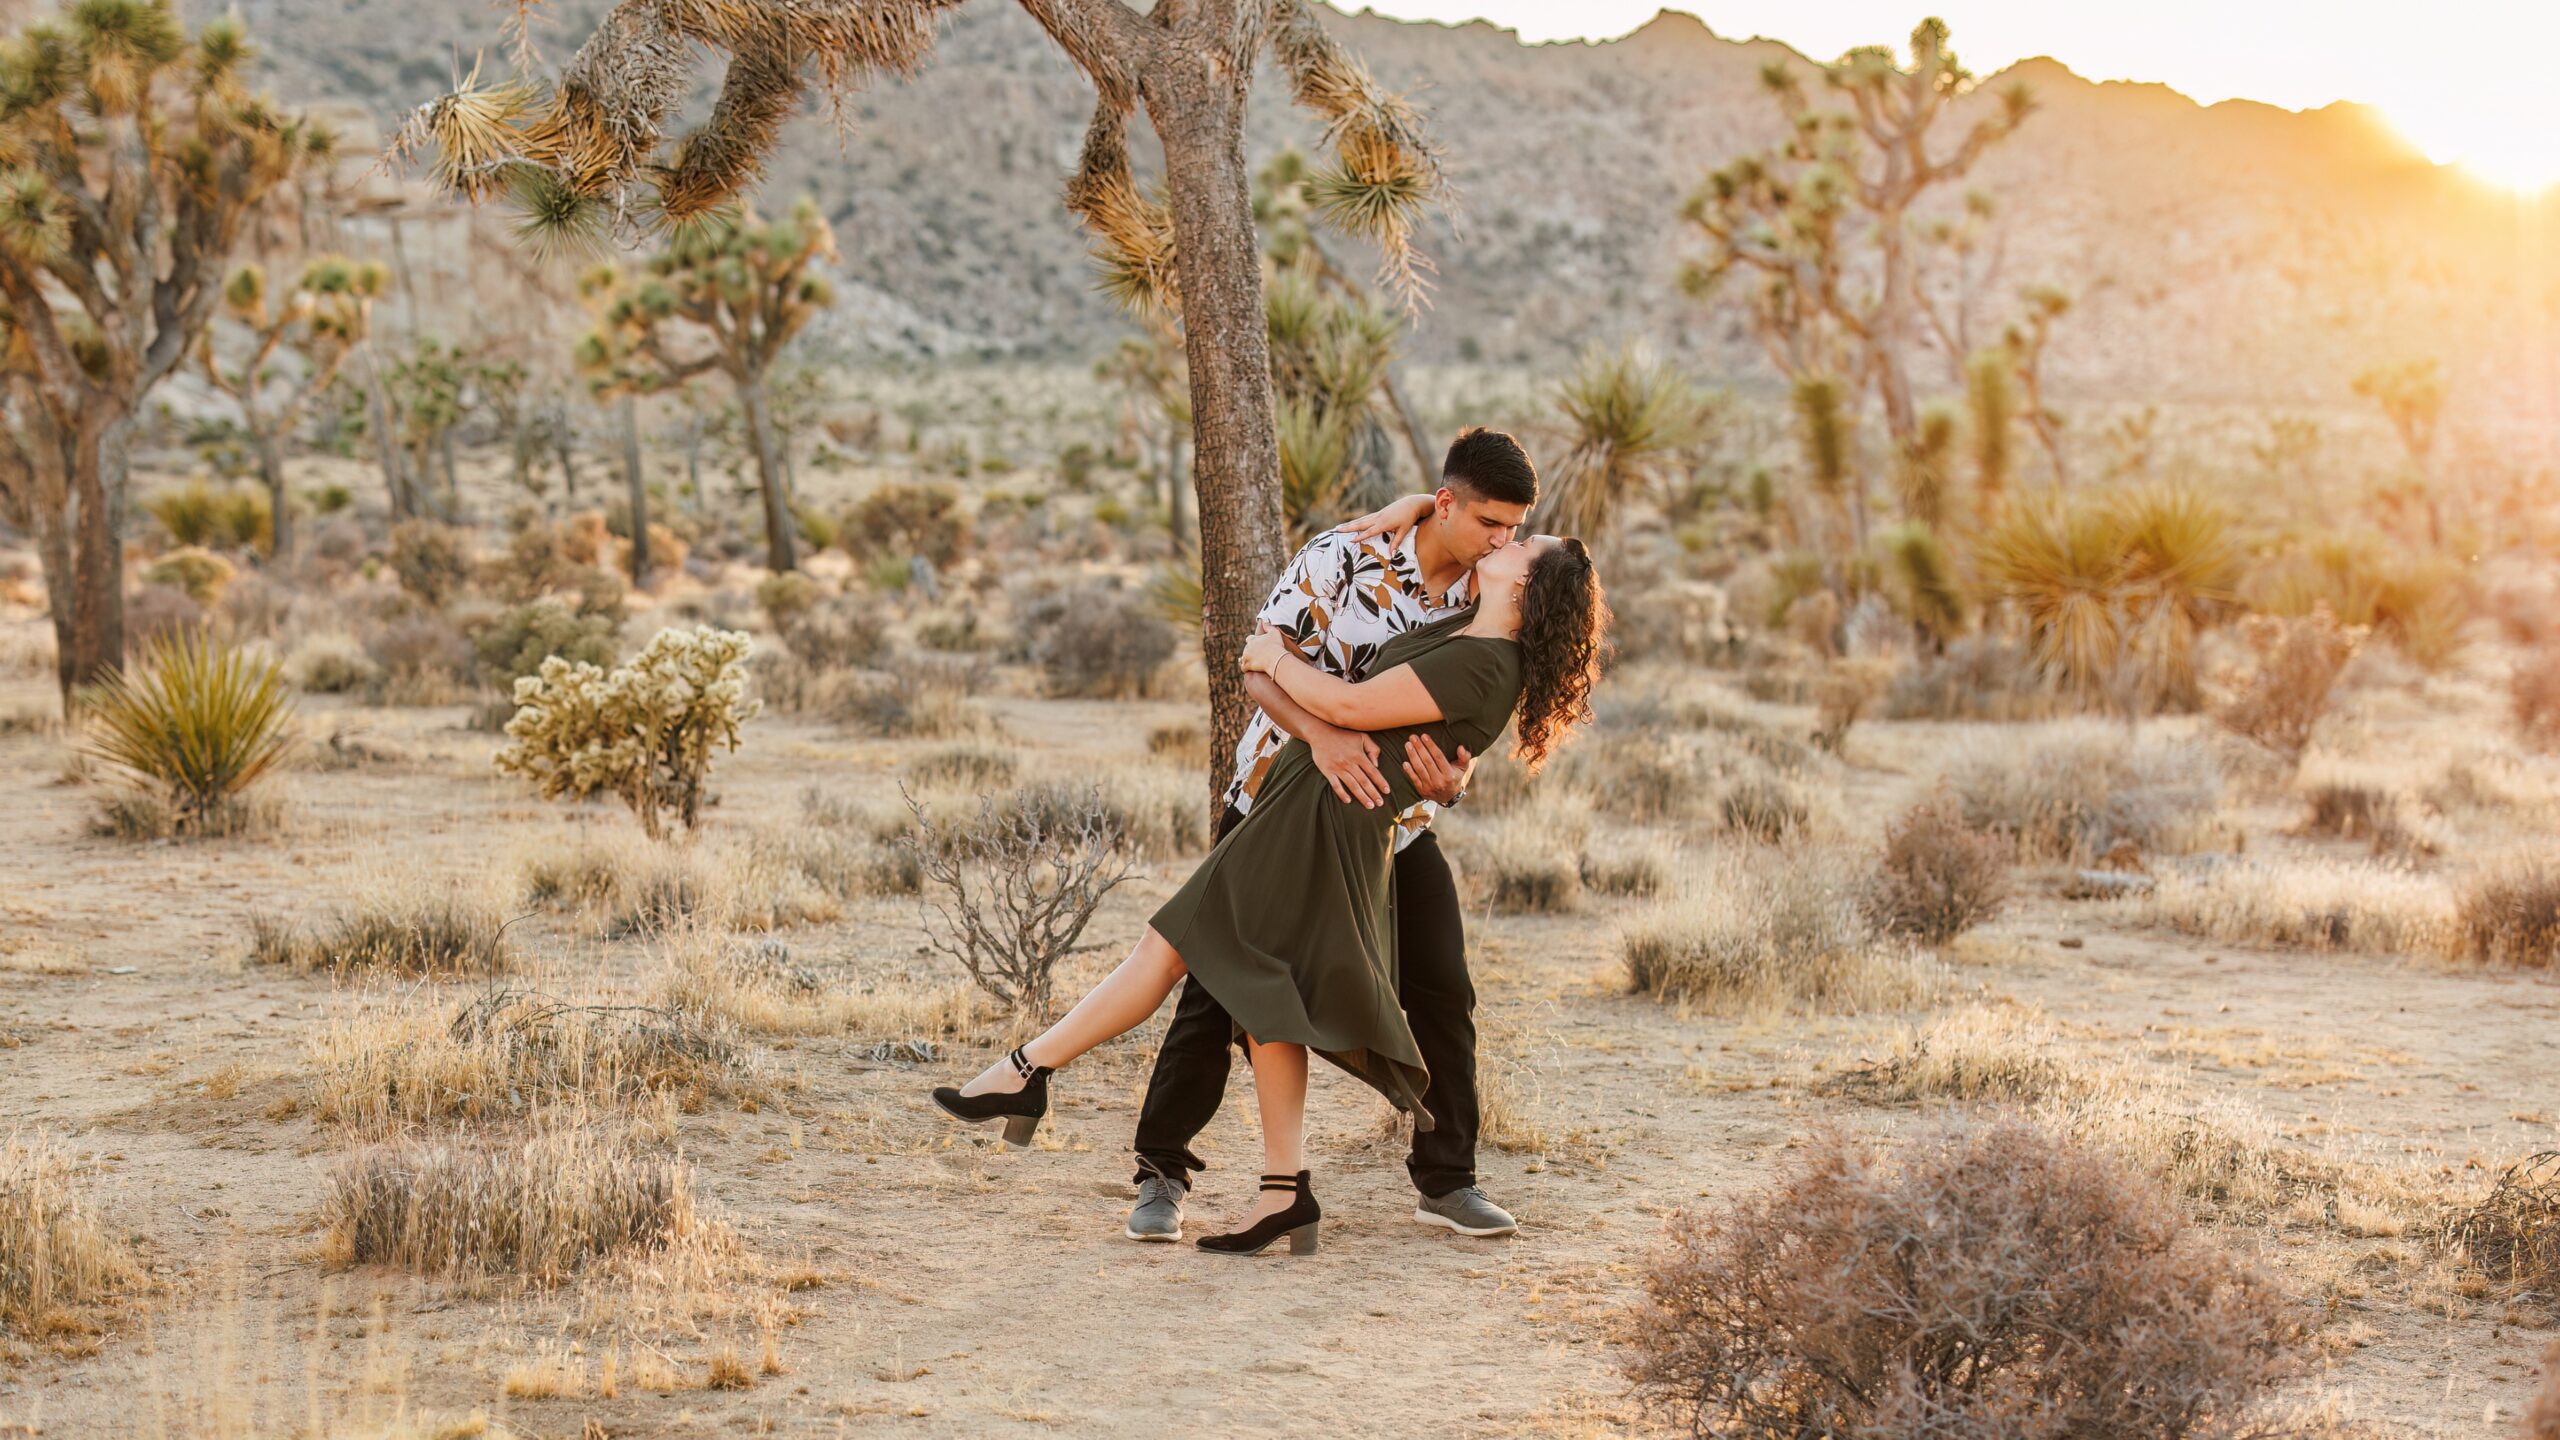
{"x":2468,"y":81}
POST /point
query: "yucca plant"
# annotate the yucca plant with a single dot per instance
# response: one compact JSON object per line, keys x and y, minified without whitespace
{"x":199,"y":720}
{"x":1632,"y":415}
{"x":2115,"y":590}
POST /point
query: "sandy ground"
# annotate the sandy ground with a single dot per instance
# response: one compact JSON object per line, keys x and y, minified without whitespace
{"x":965,"y":1291}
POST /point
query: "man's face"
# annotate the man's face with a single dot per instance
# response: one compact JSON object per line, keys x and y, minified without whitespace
{"x":1477,"y":526}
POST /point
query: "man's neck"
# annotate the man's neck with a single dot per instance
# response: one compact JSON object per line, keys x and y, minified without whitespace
{"x":1439,"y":568}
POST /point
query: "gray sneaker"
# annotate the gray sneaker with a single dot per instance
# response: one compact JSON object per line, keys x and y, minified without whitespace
{"x":1466,"y":1211}
{"x":1158,"y":1215}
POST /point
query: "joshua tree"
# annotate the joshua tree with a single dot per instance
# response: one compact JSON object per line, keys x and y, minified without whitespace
{"x":2411,"y":395}
{"x":728,"y":294}
{"x":326,"y":314}
{"x":610,"y":377}
{"x":1632,"y":415}
{"x":575,"y":151}
{"x":425,"y":395}
{"x":134,"y":154}
{"x":1822,"y":223}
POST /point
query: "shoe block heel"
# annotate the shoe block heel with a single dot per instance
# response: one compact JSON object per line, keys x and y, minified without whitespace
{"x":1018,"y":1130}
{"x":1302,"y":1241}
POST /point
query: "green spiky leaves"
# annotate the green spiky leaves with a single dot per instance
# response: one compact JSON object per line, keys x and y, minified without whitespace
{"x":34,"y":222}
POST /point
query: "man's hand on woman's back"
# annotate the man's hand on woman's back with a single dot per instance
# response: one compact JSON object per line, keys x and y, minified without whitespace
{"x":1348,"y":760}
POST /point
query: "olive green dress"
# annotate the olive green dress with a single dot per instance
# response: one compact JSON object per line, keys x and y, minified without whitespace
{"x":1288,"y":923}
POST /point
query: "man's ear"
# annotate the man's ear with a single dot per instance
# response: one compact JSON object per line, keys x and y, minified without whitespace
{"x":1444,"y":502}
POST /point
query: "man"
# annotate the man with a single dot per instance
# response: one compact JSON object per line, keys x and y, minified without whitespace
{"x":1341,"y":599}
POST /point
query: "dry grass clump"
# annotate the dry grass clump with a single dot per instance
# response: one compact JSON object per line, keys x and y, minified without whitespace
{"x":1639,"y":775}
{"x":963,"y":767}
{"x":54,"y":1252}
{"x":631,"y":886}
{"x":404,"y":932}
{"x":381,"y":1066}
{"x":1994,"y":1281}
{"x":2513,"y":1236}
{"x":2210,"y":1151}
{"x":2004,"y":1056}
{"x":1101,"y":643}
{"x":1764,"y":929}
{"x":1763,"y":805}
{"x":1528,"y":861}
{"x":1940,"y":877}
{"x":758,"y":988}
{"x":1623,"y":870}
{"x":537,"y":1207}
{"x":2081,"y":788}
{"x":1182,"y":744}
{"x":2307,"y":905}
{"x":2511,"y":915}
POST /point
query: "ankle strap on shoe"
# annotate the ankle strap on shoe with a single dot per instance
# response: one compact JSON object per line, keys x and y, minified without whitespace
{"x":1022,"y":1065}
{"x":1285,"y":1182}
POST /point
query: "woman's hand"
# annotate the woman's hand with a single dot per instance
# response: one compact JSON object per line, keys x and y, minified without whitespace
{"x":1394,"y":521}
{"x":1264,"y":652}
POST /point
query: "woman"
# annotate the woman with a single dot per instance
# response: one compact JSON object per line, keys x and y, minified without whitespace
{"x":1285,"y":923}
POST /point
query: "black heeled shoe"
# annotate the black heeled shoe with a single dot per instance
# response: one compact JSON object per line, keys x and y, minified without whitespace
{"x":1019,"y":1111}
{"x":1299,"y":1222}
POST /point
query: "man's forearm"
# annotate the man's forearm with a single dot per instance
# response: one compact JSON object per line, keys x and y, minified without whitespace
{"x":1286,"y":713}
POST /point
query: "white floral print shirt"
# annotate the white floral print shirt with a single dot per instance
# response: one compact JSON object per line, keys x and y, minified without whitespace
{"x":1339,"y":602}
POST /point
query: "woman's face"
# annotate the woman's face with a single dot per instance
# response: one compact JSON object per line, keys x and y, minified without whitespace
{"x":1508,"y":567}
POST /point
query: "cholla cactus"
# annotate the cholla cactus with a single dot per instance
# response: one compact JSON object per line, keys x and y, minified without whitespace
{"x":643,"y":731}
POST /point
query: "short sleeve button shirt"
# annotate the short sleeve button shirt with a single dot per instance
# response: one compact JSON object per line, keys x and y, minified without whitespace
{"x":1340,"y":601}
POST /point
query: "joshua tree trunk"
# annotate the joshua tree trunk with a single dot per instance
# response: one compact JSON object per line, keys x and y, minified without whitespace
{"x":564,"y":445}
{"x":387,"y":449}
{"x":1198,"y":112}
{"x":780,"y":549}
{"x":271,"y":471}
{"x":639,"y":491}
{"x":1423,"y":462}
{"x":693,"y":456}
{"x":97,"y":479}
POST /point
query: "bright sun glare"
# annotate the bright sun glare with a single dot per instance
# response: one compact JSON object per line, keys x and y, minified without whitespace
{"x":2502,"y":144}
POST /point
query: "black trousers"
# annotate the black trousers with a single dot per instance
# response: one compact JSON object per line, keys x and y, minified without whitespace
{"x":1190,"y":1079}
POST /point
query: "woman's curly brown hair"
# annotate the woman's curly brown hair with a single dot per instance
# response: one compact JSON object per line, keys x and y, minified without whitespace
{"x":1564,"y":621}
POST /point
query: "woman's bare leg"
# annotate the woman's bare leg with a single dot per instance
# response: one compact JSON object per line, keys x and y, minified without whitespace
{"x":1122,"y":1002}
{"x":1280,"y":1091}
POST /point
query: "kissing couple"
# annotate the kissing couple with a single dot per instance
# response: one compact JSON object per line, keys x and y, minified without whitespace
{"x":1326,"y":919}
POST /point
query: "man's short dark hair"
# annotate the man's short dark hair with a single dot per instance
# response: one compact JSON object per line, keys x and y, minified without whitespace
{"x":1490,"y":465}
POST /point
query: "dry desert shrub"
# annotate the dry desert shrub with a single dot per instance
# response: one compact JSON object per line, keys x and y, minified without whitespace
{"x":432,"y":560}
{"x":331,"y":664}
{"x":386,"y":1064}
{"x":538,"y":1207}
{"x":2079,"y":789}
{"x":914,"y":697}
{"x":2510,"y":915}
{"x":1624,"y":869}
{"x":842,"y":633}
{"x":1992,"y":1282}
{"x":1183,"y":744}
{"x":2294,"y":665}
{"x":1940,"y":877}
{"x":1847,"y":690}
{"x":54,"y":1252}
{"x":2307,"y":905}
{"x":426,"y":932}
{"x":756,"y":988}
{"x":1013,"y":888}
{"x":632,"y":886}
{"x":2513,"y":1236}
{"x":198,"y":574}
{"x":2003,"y":1056}
{"x":1100,"y":643}
{"x":423,"y":658}
{"x":1638,"y":775}
{"x":1763,"y":805}
{"x":2387,"y":819}
{"x":1752,"y":930}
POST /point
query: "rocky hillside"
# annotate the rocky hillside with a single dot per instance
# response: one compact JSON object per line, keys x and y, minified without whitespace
{"x":2231,"y":252}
